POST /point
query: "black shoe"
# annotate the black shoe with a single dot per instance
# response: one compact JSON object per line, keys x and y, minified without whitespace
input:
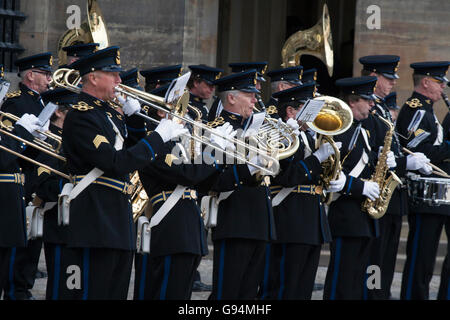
{"x":200,"y":286}
{"x":318,"y":287}
{"x":41,"y":274}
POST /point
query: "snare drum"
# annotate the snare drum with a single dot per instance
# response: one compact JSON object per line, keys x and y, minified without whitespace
{"x":432,"y":191}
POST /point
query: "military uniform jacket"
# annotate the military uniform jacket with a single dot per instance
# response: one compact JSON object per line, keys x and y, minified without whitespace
{"x":18,"y":103}
{"x":301,"y":218}
{"x":101,"y":216}
{"x":12,"y":211}
{"x":398,"y":204}
{"x":434,"y":146}
{"x":49,"y":185}
{"x":272,"y":108}
{"x":182,"y":229}
{"x":212,"y":114}
{"x":345,"y":215}
{"x":198,"y":103}
{"x":247,"y":212}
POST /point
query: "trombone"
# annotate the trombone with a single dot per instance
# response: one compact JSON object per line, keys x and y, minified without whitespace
{"x":63,"y":78}
{"x":37,"y":141}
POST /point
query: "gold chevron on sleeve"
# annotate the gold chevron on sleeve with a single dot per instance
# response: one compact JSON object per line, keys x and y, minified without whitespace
{"x":98,"y":140}
{"x":41,"y":170}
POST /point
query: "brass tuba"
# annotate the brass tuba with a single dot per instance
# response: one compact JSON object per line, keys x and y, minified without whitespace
{"x":93,"y":30}
{"x":334,"y":118}
{"x":316,"y":41}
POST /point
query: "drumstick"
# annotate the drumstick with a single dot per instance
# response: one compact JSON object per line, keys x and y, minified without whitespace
{"x":438,"y":171}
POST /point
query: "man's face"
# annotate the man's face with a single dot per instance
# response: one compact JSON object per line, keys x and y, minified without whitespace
{"x":433,"y":88}
{"x":40,"y":80}
{"x":361,"y":108}
{"x":384,"y":85}
{"x":104,"y":84}
{"x":243,"y":103}
{"x":202,"y":89}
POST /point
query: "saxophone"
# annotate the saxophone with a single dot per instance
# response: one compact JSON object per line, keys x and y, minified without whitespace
{"x":377,"y":208}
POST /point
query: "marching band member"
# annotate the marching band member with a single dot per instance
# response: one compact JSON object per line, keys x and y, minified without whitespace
{"x":100,"y":236}
{"x":282,"y":79}
{"x":35,"y":72}
{"x":352,"y":229}
{"x":245,"y":220}
{"x":425,"y":221}
{"x":201,"y":87}
{"x":49,"y":186}
{"x":384,"y":248}
{"x":300,"y":218}
{"x":179,"y":240}
{"x":160,"y":76}
{"x":13,"y":229}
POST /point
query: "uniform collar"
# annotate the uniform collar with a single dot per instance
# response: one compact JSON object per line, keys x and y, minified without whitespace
{"x":232,"y":118}
{"x":424,"y":101}
{"x":25,"y":89}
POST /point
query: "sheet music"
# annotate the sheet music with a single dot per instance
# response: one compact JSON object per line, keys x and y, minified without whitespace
{"x":176,"y":88}
{"x":309,"y":111}
{"x":415,"y":122}
{"x":4,"y":87}
{"x":47,"y":113}
{"x":254,"y":123}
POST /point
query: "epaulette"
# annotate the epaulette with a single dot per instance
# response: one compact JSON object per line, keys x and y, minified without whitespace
{"x":82,"y":106}
{"x":216,"y":122}
{"x":13,"y":94}
{"x":414,"y":103}
{"x":271,"y":109}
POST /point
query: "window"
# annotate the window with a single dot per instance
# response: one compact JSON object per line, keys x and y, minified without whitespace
{"x":10,"y":18}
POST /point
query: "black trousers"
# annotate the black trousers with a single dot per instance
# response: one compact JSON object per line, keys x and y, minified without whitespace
{"x":291,"y":271}
{"x":4,"y":267}
{"x":95,"y":274}
{"x":384,"y":254}
{"x":238,"y":269}
{"x":166,"y":277}
{"x":25,"y":263}
{"x":57,"y":267}
{"x":444,"y":287}
{"x":346,"y":274}
{"x":423,"y":240}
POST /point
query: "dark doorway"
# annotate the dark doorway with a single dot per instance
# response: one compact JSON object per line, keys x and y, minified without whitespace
{"x":255,"y":30}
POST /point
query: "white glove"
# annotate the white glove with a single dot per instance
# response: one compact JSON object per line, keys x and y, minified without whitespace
{"x":390,"y":159}
{"x":293,"y":124}
{"x":130,"y":105}
{"x":325,"y":151}
{"x":259,"y":162}
{"x":416,"y":161}
{"x":30,"y":122}
{"x":371,"y":190}
{"x":225,"y":130}
{"x":426,"y":169}
{"x":169,"y":129}
{"x":337,"y":185}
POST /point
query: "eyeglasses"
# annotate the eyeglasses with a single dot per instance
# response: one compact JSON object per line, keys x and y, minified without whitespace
{"x":45,"y":73}
{"x":436,"y":80}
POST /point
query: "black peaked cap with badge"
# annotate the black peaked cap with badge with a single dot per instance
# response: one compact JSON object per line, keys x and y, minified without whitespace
{"x":81,"y":50}
{"x":260,"y":67}
{"x":360,"y":86}
{"x":41,"y":61}
{"x":59,"y":96}
{"x":391,"y":101}
{"x":290,"y":74}
{"x":310,"y":75}
{"x":161,"y":75}
{"x":107,"y":59}
{"x":243,"y":81}
{"x":434,"y":69}
{"x":131,"y":78}
{"x":298,"y":94}
{"x":387,"y":65}
{"x":205,"y":73}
